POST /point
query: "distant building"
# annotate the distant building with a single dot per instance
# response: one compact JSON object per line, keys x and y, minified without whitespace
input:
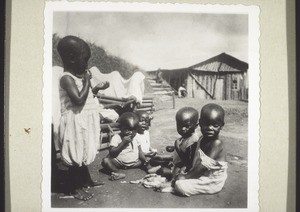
{"x":221,"y":77}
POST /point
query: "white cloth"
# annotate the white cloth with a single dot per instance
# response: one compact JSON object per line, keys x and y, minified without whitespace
{"x":56,"y":74}
{"x":144,"y":141}
{"x":79,"y":128}
{"x":109,"y":114}
{"x":151,"y":181}
{"x":183,"y":145}
{"x":120,"y":87}
{"x":128,"y":156}
{"x":211,"y":182}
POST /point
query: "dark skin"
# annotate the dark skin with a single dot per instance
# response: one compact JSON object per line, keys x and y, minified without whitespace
{"x":75,"y":62}
{"x":143,"y":125}
{"x":129,"y":125}
{"x":211,"y":122}
{"x":186,"y":121}
{"x":100,"y":86}
{"x":75,"y":54}
{"x":143,"y":121}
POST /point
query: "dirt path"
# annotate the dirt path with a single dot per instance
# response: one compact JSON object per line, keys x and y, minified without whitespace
{"x":122,"y":194}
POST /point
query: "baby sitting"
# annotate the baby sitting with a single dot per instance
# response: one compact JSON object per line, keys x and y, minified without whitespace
{"x":124,"y":151}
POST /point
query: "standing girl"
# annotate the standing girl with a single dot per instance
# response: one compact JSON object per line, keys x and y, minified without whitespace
{"x":79,"y":129}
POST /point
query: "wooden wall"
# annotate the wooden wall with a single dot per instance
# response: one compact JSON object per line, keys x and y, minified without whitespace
{"x":208,"y":80}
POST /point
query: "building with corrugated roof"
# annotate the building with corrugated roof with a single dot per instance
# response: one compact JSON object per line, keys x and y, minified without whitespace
{"x":222,"y":77}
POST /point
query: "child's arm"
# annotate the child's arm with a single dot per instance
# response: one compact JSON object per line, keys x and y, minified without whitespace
{"x":142,"y":155}
{"x":178,"y":150}
{"x":100,"y":86}
{"x":175,"y":173}
{"x":198,"y":169}
{"x":115,"y":151}
{"x":77,"y":97}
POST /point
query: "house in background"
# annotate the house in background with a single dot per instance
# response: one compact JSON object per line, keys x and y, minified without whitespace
{"x":222,"y":77}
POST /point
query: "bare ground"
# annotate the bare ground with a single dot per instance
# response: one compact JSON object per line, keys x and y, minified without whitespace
{"x":122,"y":194}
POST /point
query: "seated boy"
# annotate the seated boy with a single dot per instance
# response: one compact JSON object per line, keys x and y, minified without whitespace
{"x":209,"y":171}
{"x":124,"y":151}
{"x":187,"y":122}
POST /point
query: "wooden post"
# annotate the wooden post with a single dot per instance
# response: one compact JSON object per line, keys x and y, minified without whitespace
{"x":173,"y":97}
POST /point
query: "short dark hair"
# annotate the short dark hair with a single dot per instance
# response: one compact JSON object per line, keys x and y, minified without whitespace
{"x":129,"y":119}
{"x":208,"y":108}
{"x":69,"y":45}
{"x":188,"y":113}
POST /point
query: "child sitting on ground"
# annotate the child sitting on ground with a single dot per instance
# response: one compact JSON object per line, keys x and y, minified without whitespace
{"x":209,"y":171}
{"x":124,"y":151}
{"x":143,"y":138}
{"x":143,"y":135}
{"x":187,"y":122}
{"x":79,"y":128}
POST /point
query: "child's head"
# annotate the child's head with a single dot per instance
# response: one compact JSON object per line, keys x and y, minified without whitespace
{"x":211,"y":120}
{"x":187,"y":121}
{"x":128,"y":124}
{"x":74,"y":53}
{"x":143,"y":121}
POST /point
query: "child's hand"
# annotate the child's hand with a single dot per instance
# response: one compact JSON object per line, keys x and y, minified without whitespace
{"x":102,"y":85}
{"x":86,"y":76}
{"x":180,"y":177}
{"x":127,"y":139}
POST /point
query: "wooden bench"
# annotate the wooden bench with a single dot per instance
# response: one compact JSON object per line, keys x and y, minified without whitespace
{"x":110,"y":129}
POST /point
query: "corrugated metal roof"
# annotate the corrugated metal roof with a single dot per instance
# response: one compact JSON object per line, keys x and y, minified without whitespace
{"x":228,"y":64}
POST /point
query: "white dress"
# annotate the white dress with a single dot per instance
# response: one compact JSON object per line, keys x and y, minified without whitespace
{"x":211,"y":182}
{"x":79,"y":129}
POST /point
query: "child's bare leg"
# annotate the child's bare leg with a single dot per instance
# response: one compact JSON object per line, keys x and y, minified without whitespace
{"x":81,"y":194}
{"x":113,"y":167}
{"x":138,"y":164}
{"x":153,"y":169}
{"x":162,"y":160}
{"x":76,"y":179}
{"x":87,"y":180}
{"x":110,"y":164}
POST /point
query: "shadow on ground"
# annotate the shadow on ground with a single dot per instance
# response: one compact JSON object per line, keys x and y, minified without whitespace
{"x":122,"y":194}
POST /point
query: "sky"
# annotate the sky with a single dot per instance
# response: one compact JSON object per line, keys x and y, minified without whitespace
{"x":153,"y":40}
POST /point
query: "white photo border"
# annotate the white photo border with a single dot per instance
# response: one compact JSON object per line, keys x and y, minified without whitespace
{"x":254,"y":89}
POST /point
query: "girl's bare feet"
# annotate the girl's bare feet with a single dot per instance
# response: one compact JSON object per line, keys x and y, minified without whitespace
{"x":117,"y":176}
{"x":82,"y":195}
{"x":91,"y":184}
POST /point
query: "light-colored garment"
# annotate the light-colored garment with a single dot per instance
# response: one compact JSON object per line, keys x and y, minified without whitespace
{"x":151,"y":181}
{"x":56,"y":74}
{"x":57,"y":71}
{"x":79,"y":129}
{"x":211,"y":182}
{"x":120,"y":87}
{"x":183,"y":145}
{"x":108,"y":113}
{"x":180,"y":90}
{"x":128,"y":156}
{"x":144,"y":141}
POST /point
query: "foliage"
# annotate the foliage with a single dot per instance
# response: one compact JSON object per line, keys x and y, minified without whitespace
{"x":101,"y":59}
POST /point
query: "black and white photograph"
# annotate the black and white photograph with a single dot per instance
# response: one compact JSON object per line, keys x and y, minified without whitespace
{"x":150,"y":106}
